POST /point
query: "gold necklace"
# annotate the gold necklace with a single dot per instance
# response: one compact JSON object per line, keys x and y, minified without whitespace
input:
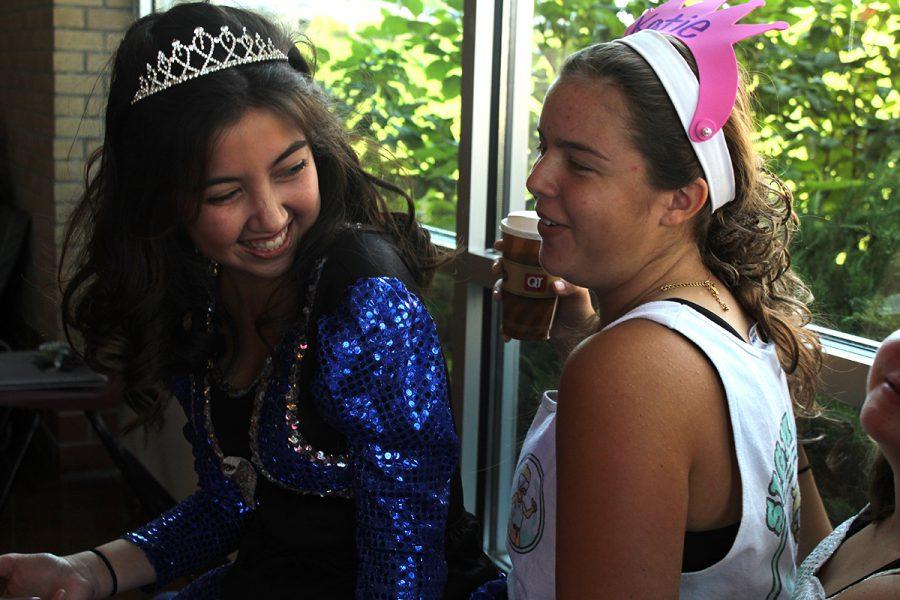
{"x":704,"y":284}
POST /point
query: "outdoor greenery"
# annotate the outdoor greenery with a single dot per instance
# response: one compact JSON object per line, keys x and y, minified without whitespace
{"x":400,"y":80}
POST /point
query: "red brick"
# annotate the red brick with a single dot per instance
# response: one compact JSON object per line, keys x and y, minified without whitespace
{"x":75,"y":83}
{"x":77,"y":40}
{"x":70,"y":428}
{"x":68,"y":62}
{"x":109,"y":19}
{"x":68,"y":149}
{"x":78,"y":2}
{"x":68,"y":17}
{"x":72,"y":127}
{"x":96,"y":105}
{"x":97,"y":63}
{"x":112,"y":40}
{"x":64,"y":192}
{"x":69,"y":170}
{"x":69,"y":105}
{"x":84,"y":457}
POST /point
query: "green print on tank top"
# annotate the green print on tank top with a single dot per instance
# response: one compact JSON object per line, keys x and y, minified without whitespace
{"x":782,"y":487}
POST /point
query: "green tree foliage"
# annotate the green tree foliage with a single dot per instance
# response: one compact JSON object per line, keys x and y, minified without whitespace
{"x":829,"y":108}
{"x":402,"y":80}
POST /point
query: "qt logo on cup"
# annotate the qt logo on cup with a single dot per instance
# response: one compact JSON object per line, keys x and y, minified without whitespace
{"x":535,"y":282}
{"x":527,"y":298}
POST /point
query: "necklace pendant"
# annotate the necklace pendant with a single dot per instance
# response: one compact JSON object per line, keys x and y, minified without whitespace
{"x":706,"y":283}
{"x":242,"y":472}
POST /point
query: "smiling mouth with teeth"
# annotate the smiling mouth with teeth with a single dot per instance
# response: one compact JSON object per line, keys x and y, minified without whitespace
{"x":548,"y":222}
{"x":271,"y":244}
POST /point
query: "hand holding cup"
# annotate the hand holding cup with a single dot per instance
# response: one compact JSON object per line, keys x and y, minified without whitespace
{"x":558,"y":310}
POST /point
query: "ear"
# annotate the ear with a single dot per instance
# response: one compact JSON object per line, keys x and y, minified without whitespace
{"x":685,"y":202}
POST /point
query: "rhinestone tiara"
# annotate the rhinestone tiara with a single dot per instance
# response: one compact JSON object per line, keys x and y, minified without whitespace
{"x":178,"y":68}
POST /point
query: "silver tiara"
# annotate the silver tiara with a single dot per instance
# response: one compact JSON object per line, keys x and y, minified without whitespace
{"x":177,"y":68}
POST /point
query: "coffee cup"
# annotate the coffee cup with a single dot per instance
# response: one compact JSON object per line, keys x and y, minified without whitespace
{"x":528,"y":301}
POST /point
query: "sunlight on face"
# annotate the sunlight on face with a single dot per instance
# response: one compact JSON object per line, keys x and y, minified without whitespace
{"x":261,"y":196}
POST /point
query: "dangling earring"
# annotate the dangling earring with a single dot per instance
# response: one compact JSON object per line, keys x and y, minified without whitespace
{"x":211,"y":288}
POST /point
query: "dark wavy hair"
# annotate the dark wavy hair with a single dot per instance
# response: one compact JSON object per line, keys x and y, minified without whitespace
{"x":135,"y":274}
{"x":746,"y":242}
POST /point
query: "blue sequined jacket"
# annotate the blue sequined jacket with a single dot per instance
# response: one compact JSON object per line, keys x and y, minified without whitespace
{"x":380,"y":381}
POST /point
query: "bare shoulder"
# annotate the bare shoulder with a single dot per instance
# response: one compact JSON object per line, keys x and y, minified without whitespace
{"x":637,"y":365}
{"x":880,"y":587}
{"x":626,"y":427}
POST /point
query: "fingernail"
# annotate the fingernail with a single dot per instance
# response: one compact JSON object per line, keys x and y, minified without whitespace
{"x":559,"y":286}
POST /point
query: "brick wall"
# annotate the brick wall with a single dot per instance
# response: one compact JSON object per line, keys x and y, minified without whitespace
{"x":53,"y":83}
{"x":85,"y":33}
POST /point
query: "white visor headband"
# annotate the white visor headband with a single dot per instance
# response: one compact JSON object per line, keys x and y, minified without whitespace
{"x":683,"y":89}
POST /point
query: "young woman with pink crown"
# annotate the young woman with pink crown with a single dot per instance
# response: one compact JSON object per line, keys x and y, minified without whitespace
{"x":667,"y":461}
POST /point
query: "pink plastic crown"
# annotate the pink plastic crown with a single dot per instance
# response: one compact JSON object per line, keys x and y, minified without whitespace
{"x":709,"y":33}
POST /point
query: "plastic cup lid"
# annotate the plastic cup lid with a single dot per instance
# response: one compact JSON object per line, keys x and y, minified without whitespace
{"x":521,"y":223}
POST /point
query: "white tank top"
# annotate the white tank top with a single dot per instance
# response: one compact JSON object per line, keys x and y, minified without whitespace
{"x":760,"y":563}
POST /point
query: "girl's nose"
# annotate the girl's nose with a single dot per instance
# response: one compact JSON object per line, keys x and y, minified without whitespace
{"x":270,"y":215}
{"x":540,"y":182}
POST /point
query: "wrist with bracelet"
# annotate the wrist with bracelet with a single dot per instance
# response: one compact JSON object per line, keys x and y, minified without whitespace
{"x":109,"y":567}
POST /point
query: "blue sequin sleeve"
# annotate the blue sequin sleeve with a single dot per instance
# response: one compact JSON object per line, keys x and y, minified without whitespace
{"x":382,"y":383}
{"x":201,"y":529}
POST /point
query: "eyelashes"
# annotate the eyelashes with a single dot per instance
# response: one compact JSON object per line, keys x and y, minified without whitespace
{"x":290,"y":173}
{"x":221,"y":199}
{"x":298,"y":167}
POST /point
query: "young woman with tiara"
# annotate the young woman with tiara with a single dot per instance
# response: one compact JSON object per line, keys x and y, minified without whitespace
{"x":238,"y":257}
{"x":666,"y":464}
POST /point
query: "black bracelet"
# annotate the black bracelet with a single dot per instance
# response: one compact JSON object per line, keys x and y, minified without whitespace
{"x":112,"y":573}
{"x":803,"y":470}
